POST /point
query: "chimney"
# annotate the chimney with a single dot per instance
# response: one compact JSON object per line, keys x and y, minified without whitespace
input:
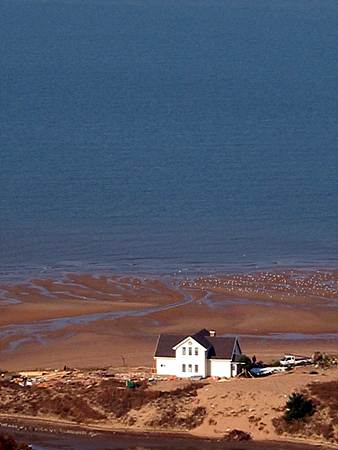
{"x":212,"y":333}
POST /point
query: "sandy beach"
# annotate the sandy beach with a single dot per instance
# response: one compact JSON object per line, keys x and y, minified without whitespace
{"x":83,"y":320}
{"x":96,"y":321}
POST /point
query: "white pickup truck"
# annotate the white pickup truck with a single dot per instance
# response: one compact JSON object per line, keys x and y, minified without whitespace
{"x":295,"y":360}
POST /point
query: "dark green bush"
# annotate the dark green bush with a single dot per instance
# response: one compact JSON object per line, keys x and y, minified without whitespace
{"x":298,"y":407}
{"x":245,"y":361}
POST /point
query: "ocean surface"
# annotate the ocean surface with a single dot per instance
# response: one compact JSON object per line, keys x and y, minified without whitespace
{"x":163,"y":136}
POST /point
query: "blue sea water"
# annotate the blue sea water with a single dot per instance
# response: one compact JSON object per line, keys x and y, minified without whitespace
{"x":161,"y":135}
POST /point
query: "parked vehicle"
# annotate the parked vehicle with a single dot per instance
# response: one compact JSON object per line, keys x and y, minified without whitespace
{"x":264,"y":371}
{"x":295,"y":360}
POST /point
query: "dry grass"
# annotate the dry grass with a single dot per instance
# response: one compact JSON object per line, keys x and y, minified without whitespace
{"x":172,"y":416}
{"x":35,"y":401}
{"x":104,"y":400}
{"x":326,"y":395}
{"x":324,"y":422}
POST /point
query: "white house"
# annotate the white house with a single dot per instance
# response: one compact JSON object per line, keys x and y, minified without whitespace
{"x":201,"y":354}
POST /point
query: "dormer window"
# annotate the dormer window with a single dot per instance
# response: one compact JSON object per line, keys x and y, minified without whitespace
{"x":184,"y":351}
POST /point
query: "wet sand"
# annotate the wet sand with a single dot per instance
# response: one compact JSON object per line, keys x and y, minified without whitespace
{"x":84,"y":320}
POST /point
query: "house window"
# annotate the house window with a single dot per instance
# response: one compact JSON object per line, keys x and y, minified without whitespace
{"x":190,"y":351}
{"x":196,"y":368}
{"x":183,"y":367}
{"x":190,"y":368}
{"x":184,"y":350}
{"x":196,"y":351}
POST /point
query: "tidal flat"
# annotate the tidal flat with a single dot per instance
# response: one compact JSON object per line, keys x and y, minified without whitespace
{"x":85,"y":320}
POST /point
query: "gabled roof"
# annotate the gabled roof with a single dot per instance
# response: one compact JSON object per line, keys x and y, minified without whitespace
{"x":217,"y":347}
{"x":165,"y":344}
{"x":198,"y":337}
{"x":222,"y":347}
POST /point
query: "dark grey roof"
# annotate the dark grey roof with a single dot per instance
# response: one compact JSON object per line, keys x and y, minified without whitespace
{"x":165,"y":344}
{"x":218,"y":347}
{"x":221,"y":347}
{"x":202,"y":338}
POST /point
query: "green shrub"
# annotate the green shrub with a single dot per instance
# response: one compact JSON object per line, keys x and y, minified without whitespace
{"x":246,"y":361}
{"x":298,"y":407}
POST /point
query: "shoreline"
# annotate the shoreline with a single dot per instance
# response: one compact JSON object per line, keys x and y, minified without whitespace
{"x":40,"y":429}
{"x":22,"y":273}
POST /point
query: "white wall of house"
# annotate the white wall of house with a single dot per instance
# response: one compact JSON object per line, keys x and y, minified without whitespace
{"x":235,"y":369}
{"x":166,"y":366}
{"x":191,"y":359}
{"x":220,"y":368}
